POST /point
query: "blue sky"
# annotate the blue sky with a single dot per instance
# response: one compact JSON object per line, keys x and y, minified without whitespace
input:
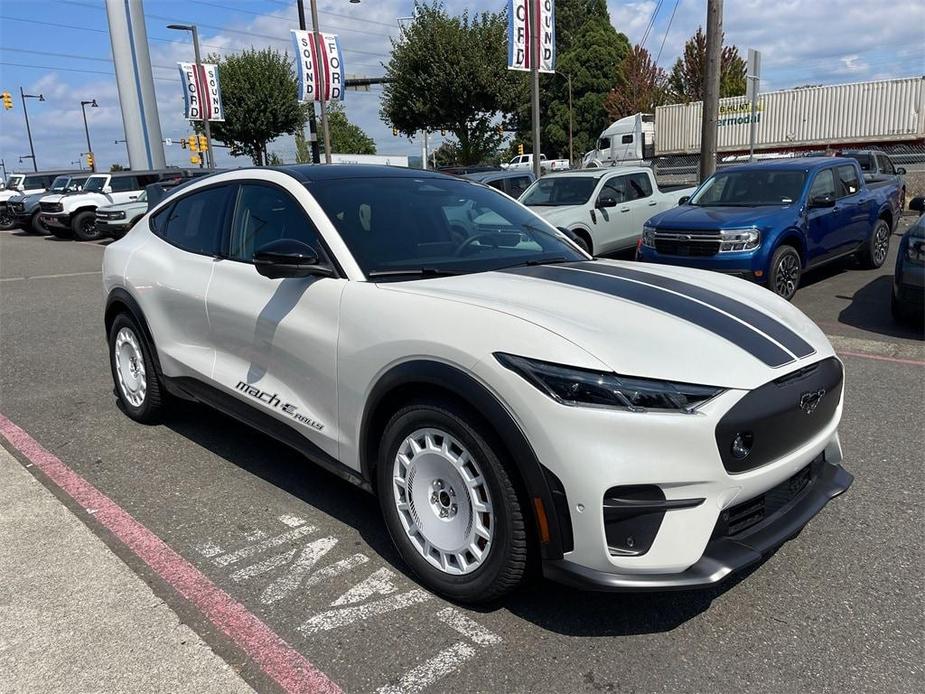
{"x":61,"y":49}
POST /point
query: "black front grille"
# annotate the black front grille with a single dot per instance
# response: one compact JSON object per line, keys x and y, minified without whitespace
{"x":17,"y":207}
{"x":50,"y":206}
{"x":683,"y":247}
{"x":746,"y":515}
{"x":780,"y":416}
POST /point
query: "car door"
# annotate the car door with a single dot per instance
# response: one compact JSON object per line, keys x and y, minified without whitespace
{"x":174,"y":269}
{"x":856,"y":208}
{"x":642,"y":203}
{"x":276,"y":339}
{"x":822,"y":221}
{"x":606,"y":216}
{"x":124,"y":189}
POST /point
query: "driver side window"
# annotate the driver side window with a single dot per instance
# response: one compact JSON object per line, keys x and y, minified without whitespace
{"x":614,"y":188}
{"x":823,"y":185}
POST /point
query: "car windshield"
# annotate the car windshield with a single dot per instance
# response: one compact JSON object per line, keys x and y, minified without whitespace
{"x":76,"y":183}
{"x":406,"y":227}
{"x":554,"y":191}
{"x":15,"y":181}
{"x":95,"y":184}
{"x":59,"y":184}
{"x":750,"y":188}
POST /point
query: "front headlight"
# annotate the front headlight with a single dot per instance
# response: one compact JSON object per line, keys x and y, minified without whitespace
{"x":117,"y":215}
{"x":739,"y":239}
{"x":648,"y":236}
{"x":915,"y":251}
{"x":583,"y":387}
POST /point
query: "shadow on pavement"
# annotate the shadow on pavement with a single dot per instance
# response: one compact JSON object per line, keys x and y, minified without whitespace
{"x":551,"y":606}
{"x":870,"y":310}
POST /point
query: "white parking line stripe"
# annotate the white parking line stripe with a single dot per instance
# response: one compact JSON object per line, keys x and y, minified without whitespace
{"x":209,"y":549}
{"x":291,"y":521}
{"x":289,"y":581}
{"x":343,"y":616}
{"x":276,"y":541}
{"x":379,"y":583}
{"x":264,"y":566}
{"x":335,"y":569}
{"x":51,"y":277}
{"x":476,"y":633}
{"x":419,"y":678}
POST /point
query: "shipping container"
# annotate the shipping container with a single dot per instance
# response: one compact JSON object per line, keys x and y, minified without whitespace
{"x":882,"y":112}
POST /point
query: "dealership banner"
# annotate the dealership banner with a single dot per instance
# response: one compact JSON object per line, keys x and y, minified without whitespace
{"x":319,"y":65}
{"x":202,"y":93}
{"x":527,"y":21}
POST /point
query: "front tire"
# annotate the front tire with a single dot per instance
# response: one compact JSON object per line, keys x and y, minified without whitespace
{"x":84,"y":226}
{"x":36,"y":226}
{"x":449,"y":504}
{"x":136,"y":382}
{"x":875,"y":251}
{"x":7,"y":220}
{"x":784,"y":277}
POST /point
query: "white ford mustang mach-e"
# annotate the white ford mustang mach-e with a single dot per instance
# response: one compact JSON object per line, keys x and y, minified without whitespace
{"x":510,"y":400}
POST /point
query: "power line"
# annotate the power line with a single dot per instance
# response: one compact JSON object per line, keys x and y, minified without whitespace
{"x":73,"y":69}
{"x":650,"y":24}
{"x":342,"y":16}
{"x":74,"y":56}
{"x":667,"y":29}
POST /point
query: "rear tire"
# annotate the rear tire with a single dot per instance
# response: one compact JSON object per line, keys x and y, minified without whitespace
{"x":449,"y":504}
{"x":877,"y":247}
{"x":137,"y":385}
{"x":84,"y":226}
{"x":784,"y":276}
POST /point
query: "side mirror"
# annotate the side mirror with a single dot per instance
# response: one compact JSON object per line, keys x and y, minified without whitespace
{"x":683,"y":199}
{"x":917,"y":204}
{"x":900,"y":171}
{"x":822,"y":201}
{"x":107,"y":190}
{"x":289,"y":258}
{"x":606,"y":201}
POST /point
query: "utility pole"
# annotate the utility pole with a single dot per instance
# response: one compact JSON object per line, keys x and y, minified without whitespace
{"x":326,"y":133}
{"x":312,"y":121}
{"x":24,"y":96}
{"x":534,"y":20}
{"x":710,"y":111}
{"x":83,"y":108}
{"x":210,"y":158}
{"x":752,"y":84}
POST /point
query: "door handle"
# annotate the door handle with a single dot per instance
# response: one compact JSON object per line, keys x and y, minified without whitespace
{"x":653,"y":203}
{"x":624,"y":209}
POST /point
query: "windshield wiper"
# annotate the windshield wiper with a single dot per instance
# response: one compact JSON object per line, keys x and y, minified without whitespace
{"x":412,"y":272}
{"x":538,"y":261}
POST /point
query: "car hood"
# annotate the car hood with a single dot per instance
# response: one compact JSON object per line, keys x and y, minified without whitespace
{"x":694,"y":217}
{"x":124,"y":206}
{"x":663,"y":322}
{"x":559,"y":215}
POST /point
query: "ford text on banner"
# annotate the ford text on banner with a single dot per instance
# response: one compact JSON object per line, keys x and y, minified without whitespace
{"x":527,"y":20}
{"x":202,"y":93}
{"x":320,"y":66}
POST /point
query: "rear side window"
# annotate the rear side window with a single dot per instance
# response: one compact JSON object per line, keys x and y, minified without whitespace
{"x":195,"y":222}
{"x":35,"y":182}
{"x":886,"y":165}
{"x":639,"y":186}
{"x":823,"y":185}
{"x":123,"y":184}
{"x":146,"y":180}
{"x":517,"y":185}
{"x":498,"y":184}
{"x":848,"y":178}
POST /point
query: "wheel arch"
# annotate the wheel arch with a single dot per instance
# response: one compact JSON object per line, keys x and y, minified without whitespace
{"x":421,"y":378}
{"x":791,"y":237}
{"x":886,"y":214}
{"x":120,"y":301}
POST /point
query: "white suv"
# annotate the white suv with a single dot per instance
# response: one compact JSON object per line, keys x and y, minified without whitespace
{"x":69,"y":216}
{"x":508,"y":398}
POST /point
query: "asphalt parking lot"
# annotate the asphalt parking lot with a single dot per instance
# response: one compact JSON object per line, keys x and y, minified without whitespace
{"x":839,"y":608}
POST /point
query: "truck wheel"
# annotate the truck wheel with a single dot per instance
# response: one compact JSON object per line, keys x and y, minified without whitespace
{"x":784,"y":277}
{"x":137,"y":385}
{"x":877,"y":247}
{"x":7,"y":220}
{"x":583,"y":241}
{"x":449,"y":504}
{"x":36,"y":225}
{"x":84,"y":226}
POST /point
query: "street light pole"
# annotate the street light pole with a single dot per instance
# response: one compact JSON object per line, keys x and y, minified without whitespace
{"x":83,"y":108}
{"x":210,"y":157}
{"x":326,"y":133}
{"x":24,"y":96}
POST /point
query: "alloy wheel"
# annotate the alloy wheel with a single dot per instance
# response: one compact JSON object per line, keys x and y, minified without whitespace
{"x":130,"y":367}
{"x":443,"y":501}
{"x":788,"y":272}
{"x":881,"y":243}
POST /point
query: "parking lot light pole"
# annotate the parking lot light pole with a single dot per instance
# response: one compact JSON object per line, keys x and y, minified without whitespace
{"x":194,"y":30}
{"x":83,"y":107}
{"x":25,"y":112}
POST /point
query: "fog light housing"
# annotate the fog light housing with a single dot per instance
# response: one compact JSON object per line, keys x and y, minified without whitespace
{"x":742,"y":444}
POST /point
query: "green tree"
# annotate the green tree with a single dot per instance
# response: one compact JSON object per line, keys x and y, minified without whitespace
{"x":685,"y":83}
{"x":450,"y":73}
{"x":118,"y":167}
{"x":644,"y":86}
{"x":259,"y":98}
{"x":346,"y":137}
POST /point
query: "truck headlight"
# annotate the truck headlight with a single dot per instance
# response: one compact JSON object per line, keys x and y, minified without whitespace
{"x":648,"y":236}
{"x":584,"y":387}
{"x":117,"y":215}
{"x":739,"y":239}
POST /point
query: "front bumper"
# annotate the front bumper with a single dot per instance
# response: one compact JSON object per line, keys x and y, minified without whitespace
{"x":725,"y":554}
{"x":60,"y":220}
{"x":111,"y":225}
{"x":750,"y":265}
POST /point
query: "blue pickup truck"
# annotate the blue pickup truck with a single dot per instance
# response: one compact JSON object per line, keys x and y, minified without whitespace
{"x":770,"y":221}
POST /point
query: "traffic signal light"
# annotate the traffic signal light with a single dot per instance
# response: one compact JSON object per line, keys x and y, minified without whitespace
{"x":394,"y":132}
{"x":182,"y":143}
{"x":203,"y":143}
{"x":194,"y":159}
{"x":193,"y":143}
{"x":7,"y":100}
{"x":90,"y":160}
{"x":520,"y":148}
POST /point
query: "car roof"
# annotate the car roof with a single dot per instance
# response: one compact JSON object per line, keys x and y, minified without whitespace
{"x":306,"y":173}
{"x":805,"y":164}
{"x":597,"y":173}
{"x":495,"y":175}
{"x":51,"y":172}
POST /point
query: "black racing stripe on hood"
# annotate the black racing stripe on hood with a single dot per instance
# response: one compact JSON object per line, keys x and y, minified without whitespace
{"x":681,"y":307}
{"x":745,"y":313}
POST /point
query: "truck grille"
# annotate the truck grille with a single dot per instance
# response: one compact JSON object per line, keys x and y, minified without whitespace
{"x":17,"y":207}
{"x":699,"y":244}
{"x":51,"y":206}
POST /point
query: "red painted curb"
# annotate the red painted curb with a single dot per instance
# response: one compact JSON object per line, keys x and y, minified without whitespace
{"x":283,"y":664}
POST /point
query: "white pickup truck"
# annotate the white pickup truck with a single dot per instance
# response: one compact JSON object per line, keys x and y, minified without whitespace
{"x":525,"y":161}
{"x":604,"y":208}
